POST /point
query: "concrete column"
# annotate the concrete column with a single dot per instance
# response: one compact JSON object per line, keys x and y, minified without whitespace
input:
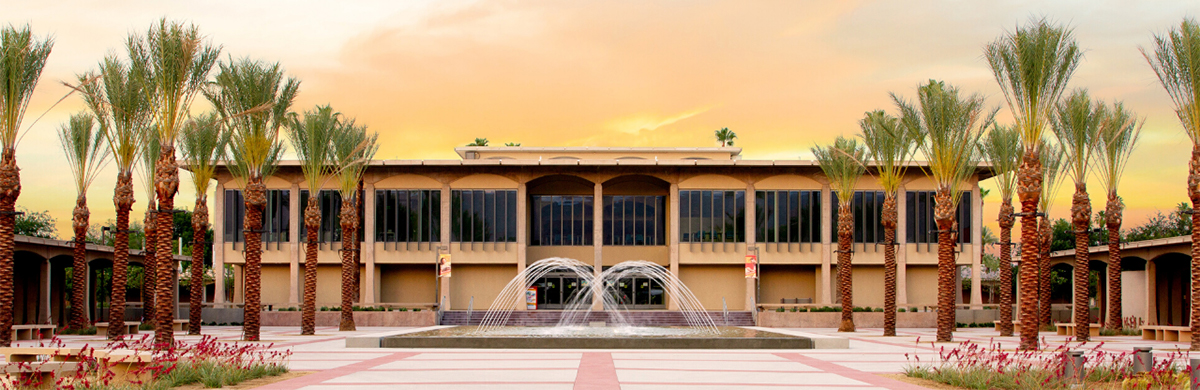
{"x":239,"y":284}
{"x":673,"y":238}
{"x":218,"y":217}
{"x":826,"y":246}
{"x":89,"y":301}
{"x":370,"y":289}
{"x":751,"y":241}
{"x":598,"y":242}
{"x":1151,"y":298}
{"x":976,"y":245}
{"x":444,"y":283}
{"x":902,"y":248}
{"x":294,"y":244}
{"x":44,"y":292}
{"x":522,"y":234}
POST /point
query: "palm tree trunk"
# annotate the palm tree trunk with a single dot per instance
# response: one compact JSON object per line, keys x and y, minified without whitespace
{"x":1081,"y":219}
{"x":889,"y":219}
{"x":199,"y":244}
{"x":166,"y":184}
{"x":1194,"y":195}
{"x":1029,"y":187}
{"x":256,"y":201}
{"x":358,"y":235}
{"x":1112,"y":216}
{"x":1006,"y":221}
{"x":349,"y":222}
{"x":943,"y":215}
{"x":1044,"y":318}
{"x":10,"y":189}
{"x":123,"y":200}
{"x":79,"y":222}
{"x":149,"y":265}
{"x":312,"y":225}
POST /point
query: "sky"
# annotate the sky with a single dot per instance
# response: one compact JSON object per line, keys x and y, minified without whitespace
{"x":784,"y":75}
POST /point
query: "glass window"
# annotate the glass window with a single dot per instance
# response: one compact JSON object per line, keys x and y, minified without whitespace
{"x":634,"y":220}
{"x":713,"y":216}
{"x":562,"y":220}
{"x":788,"y":216}
{"x":408,"y":215}
{"x":866,"y":207}
{"x":330,"y":204}
{"x":275,"y":216}
{"x":485,"y":215}
{"x":921,"y":225}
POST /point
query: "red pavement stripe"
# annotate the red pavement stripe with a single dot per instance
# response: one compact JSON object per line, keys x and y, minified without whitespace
{"x":321,"y":376}
{"x":851,"y":373}
{"x":596,"y":372}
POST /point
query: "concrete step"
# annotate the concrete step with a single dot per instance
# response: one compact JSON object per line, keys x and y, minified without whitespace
{"x":641,"y":318}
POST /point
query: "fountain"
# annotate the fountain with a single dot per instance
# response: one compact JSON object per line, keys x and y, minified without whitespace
{"x":574,"y":331}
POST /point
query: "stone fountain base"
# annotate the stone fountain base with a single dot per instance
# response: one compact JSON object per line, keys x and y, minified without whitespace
{"x":598,"y":338}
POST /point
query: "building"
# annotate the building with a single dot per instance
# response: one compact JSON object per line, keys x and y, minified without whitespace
{"x":1155,"y":279}
{"x":696,"y":211}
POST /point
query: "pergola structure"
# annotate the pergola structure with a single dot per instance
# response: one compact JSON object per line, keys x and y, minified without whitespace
{"x":1154,"y":278}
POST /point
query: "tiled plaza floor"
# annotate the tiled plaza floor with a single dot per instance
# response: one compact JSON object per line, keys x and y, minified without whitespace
{"x":334,"y":366}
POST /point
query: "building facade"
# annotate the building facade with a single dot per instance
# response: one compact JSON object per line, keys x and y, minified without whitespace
{"x":698,"y":212}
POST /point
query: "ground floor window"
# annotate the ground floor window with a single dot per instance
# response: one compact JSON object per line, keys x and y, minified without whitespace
{"x":562,"y":290}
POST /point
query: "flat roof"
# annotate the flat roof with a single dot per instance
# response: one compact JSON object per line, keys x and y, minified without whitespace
{"x":462,"y":150}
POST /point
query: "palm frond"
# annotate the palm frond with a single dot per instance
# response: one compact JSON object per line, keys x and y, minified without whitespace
{"x":1032,"y":65}
{"x":119,"y":98}
{"x":1052,"y":157}
{"x":83,"y":144}
{"x":203,"y":141}
{"x":253,"y":99}
{"x":842,"y":163}
{"x":22,"y":58}
{"x":312,"y":139}
{"x":1076,"y":124}
{"x":1119,"y":134}
{"x":150,"y":151}
{"x":948,"y":128}
{"x":1176,"y":61}
{"x":179,"y":62}
{"x":889,"y":146}
{"x":1002,"y":147}
{"x":353,"y":149}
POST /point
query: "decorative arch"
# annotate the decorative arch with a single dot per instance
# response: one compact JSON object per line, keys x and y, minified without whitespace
{"x":636,"y":185}
{"x":560,"y":185}
{"x":711,"y":181}
{"x":408,"y":181}
{"x":484,"y":181}
{"x":788,"y":182}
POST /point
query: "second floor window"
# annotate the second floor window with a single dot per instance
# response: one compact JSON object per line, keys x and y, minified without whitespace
{"x":330,"y":204}
{"x":634,"y":220}
{"x":408,"y":215}
{"x":712,"y":216}
{"x":561,"y":220}
{"x":275,"y":216}
{"x":483,"y":216}
{"x":921,"y":225}
{"x":867,"y":207}
{"x":787,"y":216}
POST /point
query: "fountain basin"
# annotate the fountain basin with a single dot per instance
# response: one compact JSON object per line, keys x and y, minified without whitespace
{"x":515,"y":337}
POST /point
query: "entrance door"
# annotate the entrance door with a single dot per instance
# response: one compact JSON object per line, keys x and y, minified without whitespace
{"x":558,"y":291}
{"x":638,"y":294}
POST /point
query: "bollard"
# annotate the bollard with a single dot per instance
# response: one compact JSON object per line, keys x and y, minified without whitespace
{"x":1074,"y":367}
{"x":1143,"y":360}
{"x":1195,"y":368}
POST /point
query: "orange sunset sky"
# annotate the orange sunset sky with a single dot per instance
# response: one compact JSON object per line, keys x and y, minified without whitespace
{"x":785,"y":75}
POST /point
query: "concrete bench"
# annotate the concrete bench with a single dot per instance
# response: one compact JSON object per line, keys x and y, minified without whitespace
{"x":1181,"y":334}
{"x":1068,"y":329}
{"x":180,"y":325}
{"x":31,"y":332}
{"x":41,"y":354}
{"x":130,"y":328}
{"x":45,"y":372}
{"x":127,"y":365}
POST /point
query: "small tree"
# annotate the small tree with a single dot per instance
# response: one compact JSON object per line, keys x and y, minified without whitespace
{"x":725,"y":136}
{"x":353,"y":149}
{"x":312,"y":141}
{"x":842,"y":163}
{"x":1119,"y":134}
{"x":35,"y":224}
{"x":1052,"y":164}
{"x":83,"y":146}
{"x":1002,"y":147}
{"x":202,"y":142}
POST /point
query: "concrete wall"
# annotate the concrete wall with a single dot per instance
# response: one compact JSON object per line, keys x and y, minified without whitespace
{"x":922,"y":285}
{"x":1133,"y":294}
{"x":787,"y":281}
{"x":407,"y":283}
{"x":868,"y":285}
{"x":483,"y":282}
{"x":712,"y":282}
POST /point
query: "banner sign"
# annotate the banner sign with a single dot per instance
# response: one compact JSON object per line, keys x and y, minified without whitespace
{"x":751,"y":266}
{"x":531,"y":298}
{"x":444,"y":265}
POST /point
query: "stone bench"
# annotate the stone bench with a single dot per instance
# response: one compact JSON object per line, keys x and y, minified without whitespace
{"x":44,"y":372}
{"x":180,"y":325}
{"x":1068,"y":329}
{"x":1181,"y":334}
{"x":130,"y":327}
{"x":40,"y":354}
{"x":127,"y":365}
{"x":31,"y":332}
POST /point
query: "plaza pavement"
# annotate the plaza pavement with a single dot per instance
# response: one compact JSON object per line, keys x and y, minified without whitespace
{"x":334,"y":366}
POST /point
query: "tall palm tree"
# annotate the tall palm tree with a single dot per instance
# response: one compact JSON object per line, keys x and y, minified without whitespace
{"x":725,"y":136}
{"x":1176,"y":60}
{"x":311,"y":139}
{"x":253,"y":99}
{"x":117,"y":100}
{"x":1002,"y":147}
{"x":1119,"y":134}
{"x":947,"y":128}
{"x":179,"y":61}
{"x":83,"y":144}
{"x":1076,"y":124}
{"x":202,"y":141}
{"x":353,"y":149}
{"x":890,"y":148}
{"x":1032,"y":66}
{"x":1052,"y":159}
{"x":22,"y":57}
{"x":151,"y":256}
{"x":842,"y":163}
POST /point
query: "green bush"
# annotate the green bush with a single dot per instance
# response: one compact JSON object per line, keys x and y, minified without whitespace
{"x":879,"y":310}
{"x":146,"y":326}
{"x":416,"y":309}
{"x":779,"y":310}
{"x":795,"y":309}
{"x":402,"y":309}
{"x":900,"y":310}
{"x":91,"y":330}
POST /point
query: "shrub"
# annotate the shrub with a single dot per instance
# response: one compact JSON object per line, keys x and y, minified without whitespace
{"x":899,"y":309}
{"x":406,"y":309}
{"x":779,"y":310}
{"x":146,"y":326}
{"x":416,"y":309}
{"x":88,"y":331}
{"x":795,"y":309}
{"x":879,"y":310}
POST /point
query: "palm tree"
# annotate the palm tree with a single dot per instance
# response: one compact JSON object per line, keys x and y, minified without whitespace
{"x":353,"y":149}
{"x":842,"y":163}
{"x":947,"y":128}
{"x":83,"y":145}
{"x":1076,"y":124}
{"x":1032,"y":66}
{"x":311,"y":139}
{"x":117,"y":100}
{"x":479,"y":142}
{"x":179,"y":62}
{"x":1176,"y":60}
{"x":1002,"y":147}
{"x":1119,"y":134}
{"x":253,"y":100}
{"x":725,"y":136}
{"x":22,"y":58}
{"x":1052,"y":159}
{"x":202,"y":142}
{"x":890,"y":148}
{"x":151,"y":256}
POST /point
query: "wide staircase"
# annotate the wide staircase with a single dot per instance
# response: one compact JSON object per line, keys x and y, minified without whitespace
{"x":638,"y":318}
